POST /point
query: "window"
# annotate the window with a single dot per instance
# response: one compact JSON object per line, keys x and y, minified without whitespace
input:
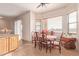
{"x":44,"y":24}
{"x":55,"y":24}
{"x":73,"y":22}
{"x":37,"y":26}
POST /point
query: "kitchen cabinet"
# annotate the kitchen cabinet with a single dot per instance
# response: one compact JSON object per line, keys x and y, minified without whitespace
{"x":8,"y":43}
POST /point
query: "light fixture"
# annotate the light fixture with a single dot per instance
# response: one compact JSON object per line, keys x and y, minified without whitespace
{"x":42,"y":5}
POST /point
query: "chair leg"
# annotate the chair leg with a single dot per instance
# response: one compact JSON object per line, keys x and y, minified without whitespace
{"x":35,"y":44}
{"x":46,"y":48}
{"x":59,"y":49}
{"x":50,"y":48}
{"x":40,"y":47}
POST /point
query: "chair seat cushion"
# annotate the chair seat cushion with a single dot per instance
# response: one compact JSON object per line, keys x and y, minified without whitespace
{"x":46,"y":43}
{"x":56,"y":43}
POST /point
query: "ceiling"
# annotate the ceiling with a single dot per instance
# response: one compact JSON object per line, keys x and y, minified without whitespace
{"x":14,"y":9}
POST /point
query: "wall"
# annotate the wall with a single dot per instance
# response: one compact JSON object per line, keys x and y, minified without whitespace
{"x":78,"y":19}
{"x":26,"y":26}
{"x":77,"y":42}
{"x":3,"y":23}
{"x":65,"y":23}
{"x":10,"y":21}
{"x":7,"y":22}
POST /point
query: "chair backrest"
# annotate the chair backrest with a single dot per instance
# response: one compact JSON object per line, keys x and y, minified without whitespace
{"x":36,"y":35}
{"x":51,"y":33}
{"x":44,"y":36}
{"x":60,"y":38}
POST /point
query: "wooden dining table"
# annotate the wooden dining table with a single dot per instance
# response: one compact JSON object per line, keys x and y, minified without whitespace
{"x":50,"y":38}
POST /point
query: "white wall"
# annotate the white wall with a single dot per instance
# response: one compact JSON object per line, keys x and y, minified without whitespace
{"x":78,"y":19}
{"x":26,"y":26}
{"x":28,"y":23}
{"x":65,"y":23}
{"x":77,"y":42}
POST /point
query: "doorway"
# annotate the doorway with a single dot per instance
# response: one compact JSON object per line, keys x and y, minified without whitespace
{"x":18,"y":28}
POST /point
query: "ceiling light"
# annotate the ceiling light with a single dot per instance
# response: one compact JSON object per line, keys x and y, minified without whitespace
{"x":42,"y":5}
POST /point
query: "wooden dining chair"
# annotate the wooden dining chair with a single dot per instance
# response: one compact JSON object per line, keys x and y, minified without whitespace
{"x":35,"y":39}
{"x":58,"y":43}
{"x":45,"y":43}
{"x":52,"y":33}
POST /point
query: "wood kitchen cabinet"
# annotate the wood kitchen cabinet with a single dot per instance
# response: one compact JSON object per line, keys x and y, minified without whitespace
{"x":3,"y":45}
{"x":13,"y":43}
{"x":8,"y":43}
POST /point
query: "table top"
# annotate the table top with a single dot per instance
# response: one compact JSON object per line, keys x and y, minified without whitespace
{"x":51,"y":37}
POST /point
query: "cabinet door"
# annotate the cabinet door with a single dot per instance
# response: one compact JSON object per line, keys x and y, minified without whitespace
{"x":8,"y":44}
{"x":3,"y":45}
{"x":13,"y":43}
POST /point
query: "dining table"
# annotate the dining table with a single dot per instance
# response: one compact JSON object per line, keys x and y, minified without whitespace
{"x":51,"y":37}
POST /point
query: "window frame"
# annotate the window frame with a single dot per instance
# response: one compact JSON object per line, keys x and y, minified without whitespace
{"x":72,"y":23}
{"x":37,"y":26}
{"x":61,"y":30}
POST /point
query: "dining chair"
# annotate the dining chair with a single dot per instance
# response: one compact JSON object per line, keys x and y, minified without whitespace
{"x":45,"y":43}
{"x":57,"y":42}
{"x":35,"y":39}
{"x":52,"y":33}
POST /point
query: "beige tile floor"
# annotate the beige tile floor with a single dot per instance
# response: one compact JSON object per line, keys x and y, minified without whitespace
{"x":27,"y":49}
